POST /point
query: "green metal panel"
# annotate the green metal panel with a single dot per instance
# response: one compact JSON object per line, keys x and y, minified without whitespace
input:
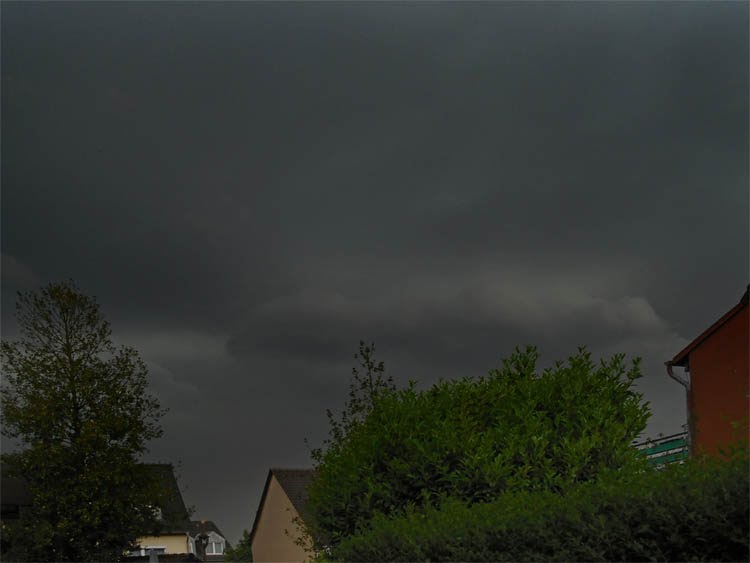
{"x":669,"y":449}
{"x":666,"y":446}
{"x":669,"y":458}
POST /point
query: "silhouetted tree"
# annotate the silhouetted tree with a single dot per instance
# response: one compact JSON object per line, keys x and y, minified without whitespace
{"x":81,"y":409}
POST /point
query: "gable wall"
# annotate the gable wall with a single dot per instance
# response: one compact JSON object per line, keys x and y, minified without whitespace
{"x":270,"y":542}
{"x":719,"y":379}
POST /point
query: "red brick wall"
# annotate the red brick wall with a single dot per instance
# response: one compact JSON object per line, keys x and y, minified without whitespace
{"x":720,"y":384}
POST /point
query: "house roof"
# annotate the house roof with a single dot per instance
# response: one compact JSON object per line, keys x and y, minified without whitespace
{"x":204,"y":526}
{"x":294,"y":482}
{"x":174,"y":514}
{"x":682,"y":357}
{"x":207,"y":527}
{"x":15,"y":490}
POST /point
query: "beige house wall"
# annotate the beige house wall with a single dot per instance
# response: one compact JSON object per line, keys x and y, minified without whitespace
{"x":271,"y":542}
{"x":172,"y":543}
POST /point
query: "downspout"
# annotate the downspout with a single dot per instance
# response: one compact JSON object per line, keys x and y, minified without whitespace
{"x":685,"y":382}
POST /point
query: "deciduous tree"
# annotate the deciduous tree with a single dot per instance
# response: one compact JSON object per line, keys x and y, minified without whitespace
{"x":367,"y":383}
{"x":82,"y":412}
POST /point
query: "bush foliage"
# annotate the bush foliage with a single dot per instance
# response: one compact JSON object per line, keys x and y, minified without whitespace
{"x":475,"y":439}
{"x":242,"y":552}
{"x":694,"y":512}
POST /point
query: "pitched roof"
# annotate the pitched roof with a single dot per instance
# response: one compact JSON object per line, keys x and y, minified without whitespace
{"x":294,"y":483}
{"x":682,"y":357}
{"x":174,"y":514}
{"x":15,"y":490}
{"x":204,"y":526}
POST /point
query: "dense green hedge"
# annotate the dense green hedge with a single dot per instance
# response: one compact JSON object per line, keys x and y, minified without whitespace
{"x":475,"y":438}
{"x":698,"y":511}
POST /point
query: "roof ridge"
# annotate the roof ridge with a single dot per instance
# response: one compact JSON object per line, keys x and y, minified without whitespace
{"x":681,"y":357}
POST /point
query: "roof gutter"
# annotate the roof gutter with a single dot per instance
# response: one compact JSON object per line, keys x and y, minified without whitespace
{"x":682,"y":381}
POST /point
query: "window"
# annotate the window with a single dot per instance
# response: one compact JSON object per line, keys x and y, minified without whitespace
{"x":215,"y":548}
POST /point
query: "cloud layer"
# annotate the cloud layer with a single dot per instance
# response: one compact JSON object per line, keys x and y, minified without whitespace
{"x":249,"y":189}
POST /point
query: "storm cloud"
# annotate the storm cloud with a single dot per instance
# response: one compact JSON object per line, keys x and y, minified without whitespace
{"x":249,"y":189}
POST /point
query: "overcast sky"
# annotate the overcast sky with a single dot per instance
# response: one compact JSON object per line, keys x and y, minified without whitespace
{"x":250,"y":188}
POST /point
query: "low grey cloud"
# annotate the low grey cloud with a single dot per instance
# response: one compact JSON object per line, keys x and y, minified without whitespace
{"x":17,"y":275}
{"x":166,"y":383}
{"x":448,"y":319}
{"x":249,"y":189}
{"x":164,"y":344}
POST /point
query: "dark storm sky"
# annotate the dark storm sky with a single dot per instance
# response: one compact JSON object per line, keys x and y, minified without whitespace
{"x":251,"y":188}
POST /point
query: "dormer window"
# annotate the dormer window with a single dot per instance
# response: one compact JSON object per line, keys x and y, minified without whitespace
{"x":206,"y":531}
{"x":215,"y":548}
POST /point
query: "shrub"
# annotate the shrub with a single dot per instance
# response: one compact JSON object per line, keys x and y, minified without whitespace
{"x":474,"y":439}
{"x":698,"y":511}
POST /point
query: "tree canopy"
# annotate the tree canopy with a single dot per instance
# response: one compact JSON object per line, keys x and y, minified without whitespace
{"x":473,"y":439}
{"x":367,"y":383}
{"x":242,"y":552}
{"x":82,"y":411}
